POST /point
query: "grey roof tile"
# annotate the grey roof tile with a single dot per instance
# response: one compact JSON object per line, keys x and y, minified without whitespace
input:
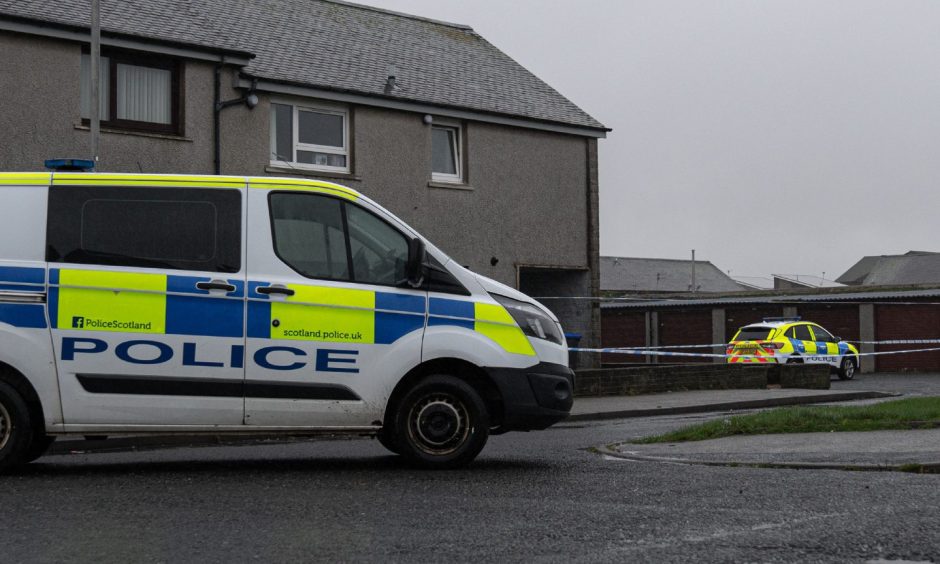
{"x":914,"y":267}
{"x":662,"y":275}
{"x":337,"y":46}
{"x":175,"y":21}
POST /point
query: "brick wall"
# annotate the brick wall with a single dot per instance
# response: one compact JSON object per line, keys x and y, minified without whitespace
{"x":660,"y":379}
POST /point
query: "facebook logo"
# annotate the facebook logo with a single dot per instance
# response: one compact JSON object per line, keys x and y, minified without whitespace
{"x":78,"y":322}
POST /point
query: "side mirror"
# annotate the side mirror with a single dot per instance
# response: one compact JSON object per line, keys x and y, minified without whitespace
{"x":414,"y":268}
{"x":836,"y":339}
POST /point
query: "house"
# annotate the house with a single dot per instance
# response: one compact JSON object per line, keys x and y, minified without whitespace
{"x":426,"y":117}
{"x":662,"y":276}
{"x":913,"y":267}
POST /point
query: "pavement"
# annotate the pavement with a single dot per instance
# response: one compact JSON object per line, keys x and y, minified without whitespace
{"x":910,"y":451}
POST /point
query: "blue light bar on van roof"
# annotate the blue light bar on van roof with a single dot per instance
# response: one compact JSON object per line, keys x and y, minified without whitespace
{"x":75,"y":165}
{"x":772,"y":319}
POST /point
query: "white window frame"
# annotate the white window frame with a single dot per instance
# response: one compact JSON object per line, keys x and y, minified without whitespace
{"x":296,"y":145}
{"x":457,"y":148}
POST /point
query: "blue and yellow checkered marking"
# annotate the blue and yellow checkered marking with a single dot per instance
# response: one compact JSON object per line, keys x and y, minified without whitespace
{"x":334,"y":314}
{"x":121,"y":301}
{"x":488,"y":319}
{"x":143,"y":303}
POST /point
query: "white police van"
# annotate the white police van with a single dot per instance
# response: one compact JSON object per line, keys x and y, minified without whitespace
{"x":166,"y":304}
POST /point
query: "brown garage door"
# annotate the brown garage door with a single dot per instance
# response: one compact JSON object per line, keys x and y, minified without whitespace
{"x":907,"y":322}
{"x":840,"y":320}
{"x":686,"y":327}
{"x":621,"y":328}
{"x":737,"y":317}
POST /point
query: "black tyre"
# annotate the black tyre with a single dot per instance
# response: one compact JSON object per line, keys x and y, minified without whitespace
{"x":386,"y":438}
{"x":795,"y":359}
{"x":16,"y":430}
{"x":441,"y":423}
{"x":39,"y":446}
{"x":848,"y":368}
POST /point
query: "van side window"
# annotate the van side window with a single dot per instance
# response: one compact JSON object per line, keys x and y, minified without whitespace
{"x":171,"y":228}
{"x":323,"y":237}
{"x":309,"y":235}
{"x":379,"y":252}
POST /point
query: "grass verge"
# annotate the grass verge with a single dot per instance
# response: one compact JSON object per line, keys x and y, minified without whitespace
{"x":911,"y":413}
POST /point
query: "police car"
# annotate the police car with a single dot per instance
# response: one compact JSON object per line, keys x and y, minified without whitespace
{"x":152,"y":304}
{"x":791,"y":340}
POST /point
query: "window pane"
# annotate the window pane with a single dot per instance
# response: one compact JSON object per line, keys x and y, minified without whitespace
{"x":753,"y":334}
{"x":317,"y":128}
{"x":443,"y":160}
{"x":802,"y":333}
{"x":174,"y":228}
{"x":282,"y":135}
{"x":379,"y":252}
{"x":143,"y":94}
{"x":822,"y":335}
{"x":103,"y":87}
{"x":308,"y":234}
{"x":321,"y":159}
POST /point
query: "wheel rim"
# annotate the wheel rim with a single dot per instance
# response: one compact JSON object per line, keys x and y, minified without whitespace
{"x":6,"y":426}
{"x":849,"y":369}
{"x":439,"y":424}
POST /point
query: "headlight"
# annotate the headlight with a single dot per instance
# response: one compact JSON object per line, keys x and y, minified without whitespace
{"x":531,"y":319}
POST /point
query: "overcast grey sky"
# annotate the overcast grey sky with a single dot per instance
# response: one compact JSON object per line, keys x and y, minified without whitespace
{"x":771,"y":136}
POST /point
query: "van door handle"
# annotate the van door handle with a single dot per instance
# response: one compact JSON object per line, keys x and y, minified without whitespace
{"x":215,"y":285}
{"x":268,"y":290}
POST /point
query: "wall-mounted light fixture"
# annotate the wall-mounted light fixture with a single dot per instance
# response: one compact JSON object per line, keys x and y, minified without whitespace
{"x":428,"y":119}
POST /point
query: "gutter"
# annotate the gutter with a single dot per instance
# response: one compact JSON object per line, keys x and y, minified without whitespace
{"x":349,"y":97}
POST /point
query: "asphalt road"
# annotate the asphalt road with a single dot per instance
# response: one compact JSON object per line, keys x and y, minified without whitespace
{"x":529,"y":497}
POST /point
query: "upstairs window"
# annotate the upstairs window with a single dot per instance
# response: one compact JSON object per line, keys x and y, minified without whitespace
{"x":136,"y":92}
{"x":309,"y":137}
{"x":446,"y":165}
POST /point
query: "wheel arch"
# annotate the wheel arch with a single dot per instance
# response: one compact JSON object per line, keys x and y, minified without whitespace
{"x":15,"y":378}
{"x":470,"y":373}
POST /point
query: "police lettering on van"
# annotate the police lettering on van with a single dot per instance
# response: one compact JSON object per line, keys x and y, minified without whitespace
{"x":136,"y":304}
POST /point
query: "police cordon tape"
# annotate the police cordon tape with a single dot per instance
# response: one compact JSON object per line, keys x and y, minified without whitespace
{"x":707,"y":301}
{"x":650,"y":352}
{"x":723,"y":345}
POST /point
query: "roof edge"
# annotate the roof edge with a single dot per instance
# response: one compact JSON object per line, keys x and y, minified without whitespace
{"x":790,"y":295}
{"x":109,"y":38}
{"x":401,"y":14}
{"x":365,"y":99}
{"x":697,"y":261}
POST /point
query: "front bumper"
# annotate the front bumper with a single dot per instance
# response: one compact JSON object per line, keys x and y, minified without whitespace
{"x":534,"y":398}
